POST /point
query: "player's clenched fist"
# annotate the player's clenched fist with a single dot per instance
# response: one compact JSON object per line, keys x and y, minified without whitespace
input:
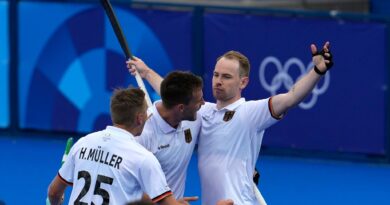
{"x":139,"y":65}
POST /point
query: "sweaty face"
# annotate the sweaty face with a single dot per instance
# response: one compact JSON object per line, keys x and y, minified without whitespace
{"x":196,"y":102}
{"x":226,"y":81}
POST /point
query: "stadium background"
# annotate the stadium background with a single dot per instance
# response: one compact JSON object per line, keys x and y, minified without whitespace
{"x":59,"y":61}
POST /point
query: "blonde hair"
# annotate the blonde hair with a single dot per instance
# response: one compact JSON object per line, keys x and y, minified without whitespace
{"x":242,"y":60}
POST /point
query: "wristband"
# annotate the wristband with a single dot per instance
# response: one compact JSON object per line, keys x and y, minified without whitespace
{"x":318,"y":71}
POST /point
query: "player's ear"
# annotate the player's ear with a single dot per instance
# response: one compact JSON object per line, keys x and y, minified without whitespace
{"x":244,"y":82}
{"x":180,"y":107}
{"x":140,"y":118}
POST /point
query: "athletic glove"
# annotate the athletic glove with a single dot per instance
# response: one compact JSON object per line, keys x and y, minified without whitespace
{"x":328,"y":65}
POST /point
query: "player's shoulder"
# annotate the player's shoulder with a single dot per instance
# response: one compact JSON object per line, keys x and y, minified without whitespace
{"x":152,"y":121}
{"x":141,"y":152}
{"x":136,"y":144}
{"x":88,"y":138}
{"x":148,"y":157}
{"x":148,"y":133}
{"x":255,"y":103}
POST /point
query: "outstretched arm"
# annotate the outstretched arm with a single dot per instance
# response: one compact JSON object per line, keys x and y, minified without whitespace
{"x":323,"y":61}
{"x":153,"y":78}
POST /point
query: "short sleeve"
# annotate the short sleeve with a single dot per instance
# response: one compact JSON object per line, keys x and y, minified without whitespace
{"x":259,"y":114}
{"x":66,"y":171}
{"x":152,"y":179}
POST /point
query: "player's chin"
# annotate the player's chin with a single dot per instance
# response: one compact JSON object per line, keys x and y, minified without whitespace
{"x":215,"y":93}
{"x":192,"y":118}
{"x":219,"y":96}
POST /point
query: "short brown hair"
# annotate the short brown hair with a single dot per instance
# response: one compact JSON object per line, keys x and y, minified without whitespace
{"x":125,"y":104}
{"x":242,"y":60}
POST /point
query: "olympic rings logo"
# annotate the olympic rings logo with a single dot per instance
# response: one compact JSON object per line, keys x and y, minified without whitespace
{"x":282,"y":78}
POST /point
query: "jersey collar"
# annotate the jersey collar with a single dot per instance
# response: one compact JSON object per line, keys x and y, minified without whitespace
{"x":120,"y":132}
{"x":232,"y":106}
{"x":164,"y":126}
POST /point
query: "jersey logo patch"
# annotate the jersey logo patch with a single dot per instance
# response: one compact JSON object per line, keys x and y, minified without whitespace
{"x":187,"y":135}
{"x":228,"y":115}
{"x":163,"y":146}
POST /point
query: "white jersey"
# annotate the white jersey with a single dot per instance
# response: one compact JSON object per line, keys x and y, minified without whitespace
{"x":228,"y":148}
{"x":172,"y":147}
{"x":110,"y":167}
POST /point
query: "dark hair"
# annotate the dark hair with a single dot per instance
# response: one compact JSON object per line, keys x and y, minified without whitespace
{"x":242,"y":60}
{"x":125,"y":104}
{"x":178,"y":88}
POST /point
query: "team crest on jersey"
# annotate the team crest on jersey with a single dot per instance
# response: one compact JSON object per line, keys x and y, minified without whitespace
{"x":228,"y":115}
{"x":187,"y":135}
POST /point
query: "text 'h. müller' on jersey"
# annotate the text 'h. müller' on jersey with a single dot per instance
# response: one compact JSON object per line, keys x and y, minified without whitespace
{"x":98,"y":155}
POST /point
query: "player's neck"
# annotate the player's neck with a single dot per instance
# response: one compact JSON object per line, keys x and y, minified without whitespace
{"x":168,"y":115}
